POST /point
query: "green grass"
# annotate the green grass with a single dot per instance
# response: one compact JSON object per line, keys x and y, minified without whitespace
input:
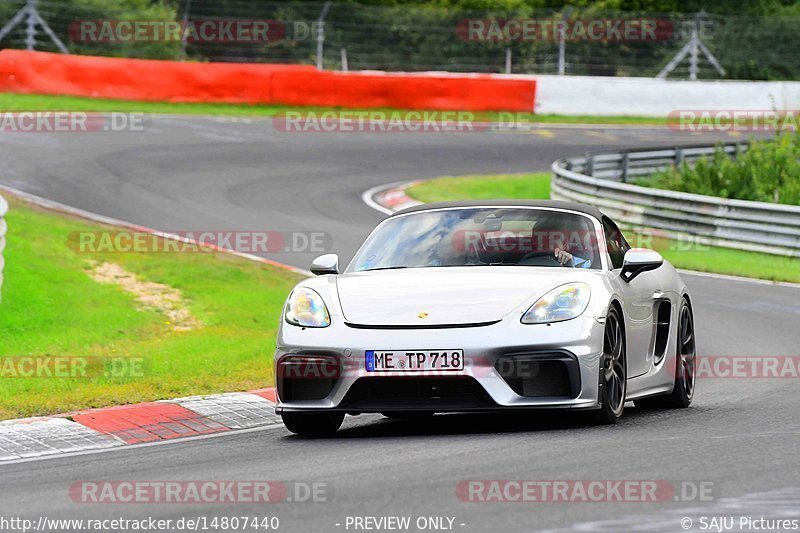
{"x":689,"y":256}
{"x":51,"y":307}
{"x":704,"y":258}
{"x":598,"y":119}
{"x":482,"y":187}
{"x":38,"y":102}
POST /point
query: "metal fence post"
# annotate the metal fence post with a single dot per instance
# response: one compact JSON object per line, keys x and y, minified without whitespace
{"x":678,"y":157}
{"x":321,"y":33}
{"x":625,"y":162}
{"x":694,"y":51}
{"x":186,"y":7}
{"x":589,"y":165}
{"x":562,"y":38}
{"x":30,"y":26}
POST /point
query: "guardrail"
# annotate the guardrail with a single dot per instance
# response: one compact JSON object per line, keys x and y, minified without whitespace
{"x":3,"y":210}
{"x":601,"y":179}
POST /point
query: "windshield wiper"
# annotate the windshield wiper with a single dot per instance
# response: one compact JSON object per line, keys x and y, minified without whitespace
{"x":383,"y":268}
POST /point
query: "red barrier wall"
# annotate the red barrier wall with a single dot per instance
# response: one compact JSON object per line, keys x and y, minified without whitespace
{"x":138,"y":79}
{"x":150,"y":80}
{"x":472,"y":92}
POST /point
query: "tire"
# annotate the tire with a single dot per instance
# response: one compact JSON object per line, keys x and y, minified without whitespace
{"x":314,"y":424}
{"x":408,"y":415}
{"x":685,"y":367}
{"x":613,"y":383}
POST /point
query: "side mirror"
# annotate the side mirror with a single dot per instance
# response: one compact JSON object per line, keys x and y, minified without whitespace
{"x":325,"y":264}
{"x":638,"y":260}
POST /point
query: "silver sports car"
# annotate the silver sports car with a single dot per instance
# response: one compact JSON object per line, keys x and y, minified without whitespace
{"x":476,"y":306}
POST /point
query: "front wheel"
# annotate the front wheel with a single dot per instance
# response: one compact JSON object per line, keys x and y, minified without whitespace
{"x":613,"y":372}
{"x":685,"y":367}
{"x":316,"y":424}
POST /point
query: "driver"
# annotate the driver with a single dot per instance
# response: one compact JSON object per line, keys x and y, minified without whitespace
{"x":568,"y":259}
{"x":557,"y":233}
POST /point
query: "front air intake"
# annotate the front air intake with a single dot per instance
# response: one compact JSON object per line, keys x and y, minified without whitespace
{"x":307,"y":377}
{"x":540,"y":375}
{"x":663,"y":321}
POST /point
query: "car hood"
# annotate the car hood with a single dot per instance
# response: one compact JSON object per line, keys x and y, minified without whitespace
{"x":440,"y":296}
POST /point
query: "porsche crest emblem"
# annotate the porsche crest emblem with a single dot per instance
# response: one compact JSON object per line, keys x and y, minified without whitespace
{"x":423,"y":315}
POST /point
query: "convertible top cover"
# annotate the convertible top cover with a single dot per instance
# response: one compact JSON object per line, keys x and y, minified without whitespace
{"x":554,"y":204}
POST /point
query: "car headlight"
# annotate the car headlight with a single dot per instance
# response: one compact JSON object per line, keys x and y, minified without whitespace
{"x":305,"y":308}
{"x":562,"y":303}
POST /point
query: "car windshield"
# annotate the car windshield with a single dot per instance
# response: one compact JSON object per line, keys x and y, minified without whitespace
{"x":480,"y":237}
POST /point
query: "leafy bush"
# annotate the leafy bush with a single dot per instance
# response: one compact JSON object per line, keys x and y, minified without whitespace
{"x":768,"y":171}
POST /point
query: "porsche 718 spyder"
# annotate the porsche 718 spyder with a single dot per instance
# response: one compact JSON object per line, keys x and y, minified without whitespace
{"x":478,"y":306}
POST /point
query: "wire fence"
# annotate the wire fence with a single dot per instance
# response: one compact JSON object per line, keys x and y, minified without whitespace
{"x":351,"y":36}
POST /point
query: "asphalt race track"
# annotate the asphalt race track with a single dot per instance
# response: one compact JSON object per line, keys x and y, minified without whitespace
{"x":242,"y":174}
{"x":218,"y":174}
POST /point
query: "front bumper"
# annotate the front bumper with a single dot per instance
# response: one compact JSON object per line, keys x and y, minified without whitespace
{"x":507,"y":365}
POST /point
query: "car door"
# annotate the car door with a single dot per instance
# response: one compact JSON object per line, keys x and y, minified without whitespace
{"x":637,"y":305}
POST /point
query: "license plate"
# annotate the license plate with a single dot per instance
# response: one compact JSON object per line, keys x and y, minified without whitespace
{"x":414,"y":360}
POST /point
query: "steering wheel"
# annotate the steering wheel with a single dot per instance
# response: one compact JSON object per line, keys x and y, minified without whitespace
{"x":550,"y":256}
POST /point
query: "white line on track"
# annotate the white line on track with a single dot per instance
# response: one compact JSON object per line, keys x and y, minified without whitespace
{"x":728,"y":277}
{"x":367,"y":196}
